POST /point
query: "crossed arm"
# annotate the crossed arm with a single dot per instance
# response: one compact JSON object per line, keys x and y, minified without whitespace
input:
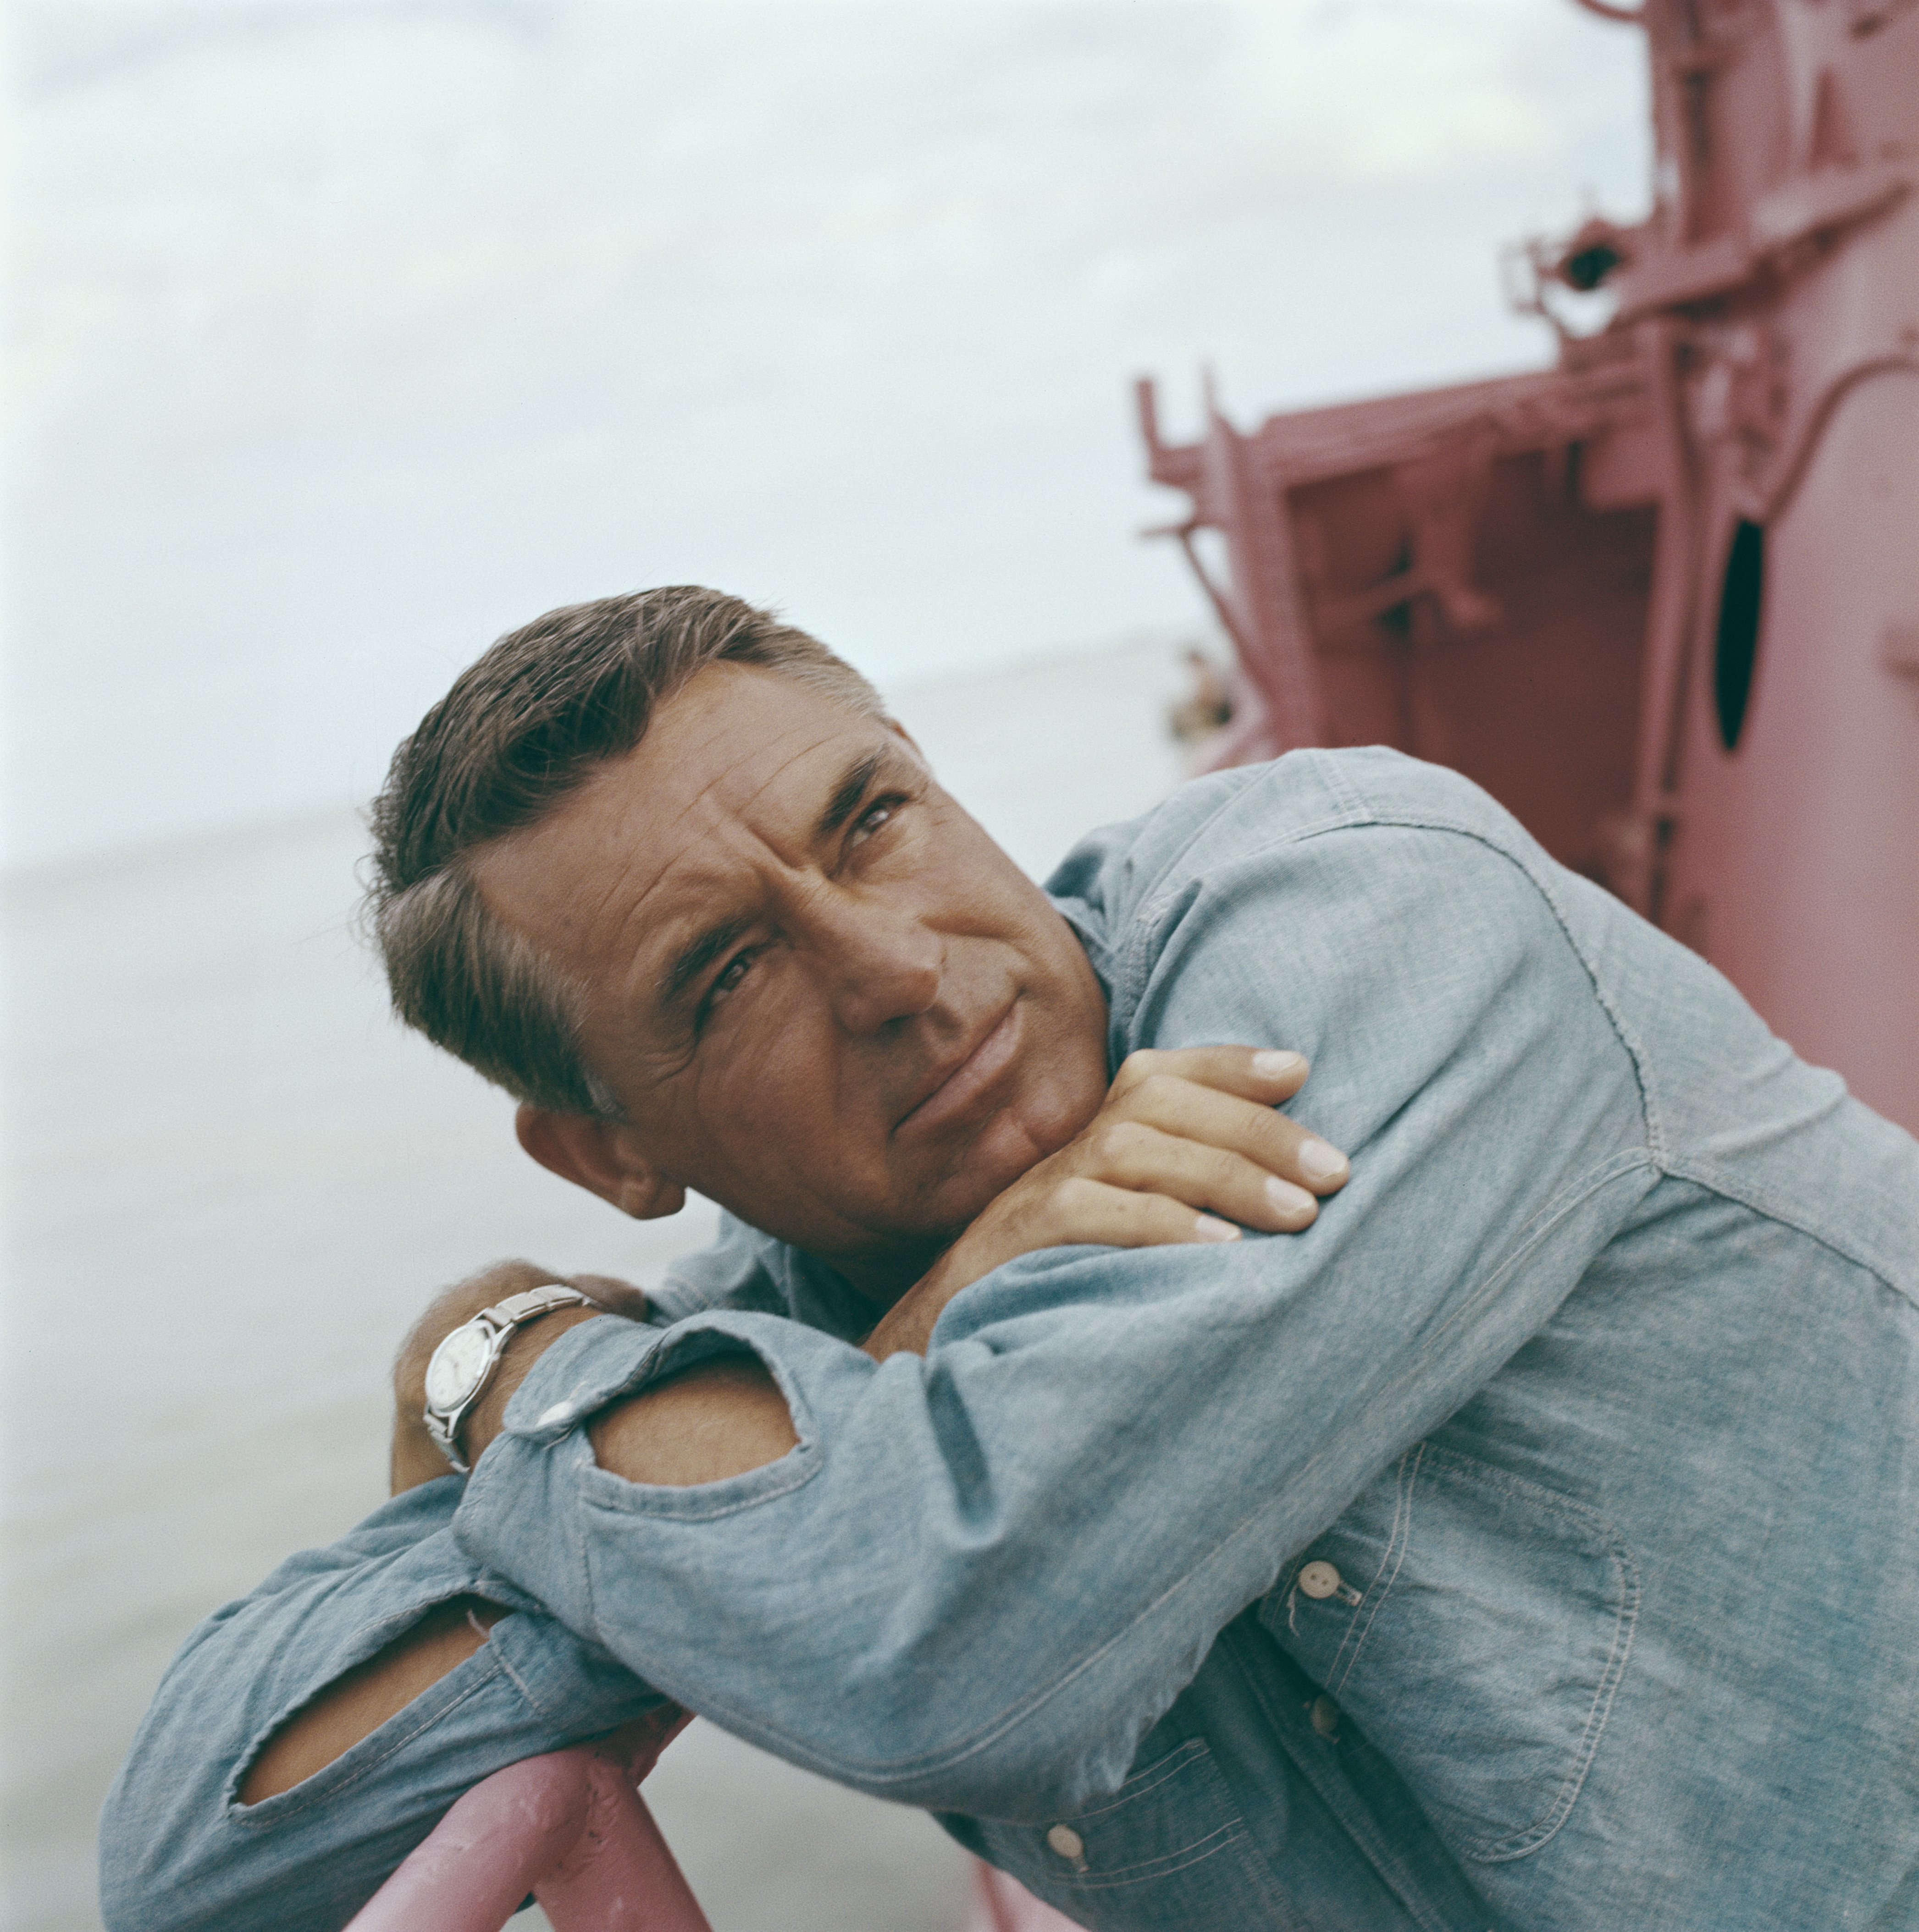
{"x":1174,"y":1423}
{"x":1187,"y":1148}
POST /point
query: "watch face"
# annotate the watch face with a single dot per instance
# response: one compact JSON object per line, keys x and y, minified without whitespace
{"x":456,"y":1366}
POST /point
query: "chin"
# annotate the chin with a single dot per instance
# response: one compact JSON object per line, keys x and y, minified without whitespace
{"x":1049,"y":1118}
{"x":1021,"y":1137}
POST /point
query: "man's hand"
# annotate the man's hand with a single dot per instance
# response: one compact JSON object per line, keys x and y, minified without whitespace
{"x":416,"y":1456}
{"x":1187,"y":1147}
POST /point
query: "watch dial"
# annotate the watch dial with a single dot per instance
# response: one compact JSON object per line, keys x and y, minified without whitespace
{"x":456,"y":1366}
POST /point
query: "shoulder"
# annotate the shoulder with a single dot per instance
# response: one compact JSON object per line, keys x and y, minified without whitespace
{"x":1212,"y":829}
{"x":1385,"y":917}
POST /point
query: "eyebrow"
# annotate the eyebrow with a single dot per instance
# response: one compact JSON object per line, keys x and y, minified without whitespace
{"x":695,"y":958}
{"x":697,"y":955}
{"x":851,"y":789}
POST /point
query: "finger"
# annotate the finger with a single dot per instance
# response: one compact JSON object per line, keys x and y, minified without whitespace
{"x":1268,"y":1074}
{"x":1217,"y":1180}
{"x":1080,"y":1209}
{"x":1279,"y":1145}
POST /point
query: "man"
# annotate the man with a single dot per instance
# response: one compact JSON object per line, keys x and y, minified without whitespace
{"x":1524,"y":1535}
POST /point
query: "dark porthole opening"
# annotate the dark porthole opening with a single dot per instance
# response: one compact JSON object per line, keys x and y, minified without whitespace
{"x":1740,"y":599}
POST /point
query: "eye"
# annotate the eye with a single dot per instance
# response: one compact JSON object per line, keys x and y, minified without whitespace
{"x":726,"y":981}
{"x":876,"y":815}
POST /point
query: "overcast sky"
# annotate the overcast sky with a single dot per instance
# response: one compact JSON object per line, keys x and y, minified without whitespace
{"x":345,"y":336}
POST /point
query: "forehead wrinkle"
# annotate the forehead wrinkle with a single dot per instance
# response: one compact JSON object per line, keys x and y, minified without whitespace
{"x":618,"y":931}
{"x":640,"y":936}
{"x":771,"y":777}
{"x":725,"y":816}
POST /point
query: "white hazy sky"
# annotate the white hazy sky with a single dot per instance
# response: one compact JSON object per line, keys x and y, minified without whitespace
{"x":343,"y":336}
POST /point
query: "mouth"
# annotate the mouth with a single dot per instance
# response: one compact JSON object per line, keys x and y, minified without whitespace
{"x":962,"y":1082}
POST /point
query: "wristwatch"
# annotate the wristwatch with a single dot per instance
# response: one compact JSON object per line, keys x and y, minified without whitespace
{"x":463,"y":1363}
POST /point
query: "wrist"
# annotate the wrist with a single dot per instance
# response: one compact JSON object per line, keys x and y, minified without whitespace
{"x":907,"y":1327}
{"x":524,"y":1347}
{"x":419,"y":1452}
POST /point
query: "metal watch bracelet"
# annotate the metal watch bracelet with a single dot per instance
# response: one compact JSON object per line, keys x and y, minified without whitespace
{"x":481,"y":1340}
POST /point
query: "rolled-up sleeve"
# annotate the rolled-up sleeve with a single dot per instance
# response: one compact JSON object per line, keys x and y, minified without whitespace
{"x":177,"y":1848}
{"x":982,"y":1575}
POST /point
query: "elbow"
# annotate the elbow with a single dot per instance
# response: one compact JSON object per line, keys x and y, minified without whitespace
{"x":152,"y":1861}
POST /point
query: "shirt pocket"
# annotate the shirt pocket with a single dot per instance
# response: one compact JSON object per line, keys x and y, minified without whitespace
{"x":1476,"y":1627}
{"x":1168,"y":1850}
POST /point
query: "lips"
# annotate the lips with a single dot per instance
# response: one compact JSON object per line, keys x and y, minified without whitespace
{"x":962,"y":1082}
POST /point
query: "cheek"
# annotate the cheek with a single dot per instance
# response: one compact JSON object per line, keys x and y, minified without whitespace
{"x":1068,"y":1080}
{"x":766,"y":1105}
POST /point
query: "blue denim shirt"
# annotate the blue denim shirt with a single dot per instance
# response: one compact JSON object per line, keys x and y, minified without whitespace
{"x":1533,"y":1543}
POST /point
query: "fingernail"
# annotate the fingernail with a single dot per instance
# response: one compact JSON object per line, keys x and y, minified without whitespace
{"x":1209,"y":1229}
{"x":1288,"y":1198}
{"x":1270,"y":1065}
{"x":1318,"y":1161}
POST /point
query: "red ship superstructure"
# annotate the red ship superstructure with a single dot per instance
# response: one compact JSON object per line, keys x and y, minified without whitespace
{"x":1662,"y":600}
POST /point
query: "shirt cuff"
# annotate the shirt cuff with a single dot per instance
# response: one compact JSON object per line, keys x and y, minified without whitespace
{"x":596,"y":1362}
{"x":591,"y":1364}
{"x":529,"y":1504}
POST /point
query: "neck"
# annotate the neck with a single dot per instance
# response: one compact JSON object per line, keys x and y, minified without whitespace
{"x":880,"y":1279}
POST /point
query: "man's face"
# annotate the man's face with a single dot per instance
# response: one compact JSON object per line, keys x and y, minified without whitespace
{"x":825,"y":998}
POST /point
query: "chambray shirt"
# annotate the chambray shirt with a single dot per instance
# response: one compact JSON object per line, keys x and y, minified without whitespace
{"x":1532,"y":1544}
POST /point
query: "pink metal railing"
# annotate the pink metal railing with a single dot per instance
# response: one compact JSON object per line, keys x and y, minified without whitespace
{"x":569,"y":1828}
{"x":1001,"y":1904}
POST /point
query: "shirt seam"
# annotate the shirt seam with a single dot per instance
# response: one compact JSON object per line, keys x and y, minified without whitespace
{"x":250,"y":1815}
{"x":1337,"y":776}
{"x":1605,"y":1539}
{"x":1407,"y":1473}
{"x":1343,"y":1801}
{"x":1759,"y":1201}
{"x":1154,"y":900}
{"x":1158,"y":898}
{"x":1221,"y":1837}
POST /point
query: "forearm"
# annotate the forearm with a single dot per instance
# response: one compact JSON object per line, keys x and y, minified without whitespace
{"x":356,"y":1704}
{"x":975,"y":1580}
{"x":367,"y":1685}
{"x":191,"y":1837}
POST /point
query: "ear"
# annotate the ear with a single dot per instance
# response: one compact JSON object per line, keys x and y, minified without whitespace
{"x":601,"y":1156}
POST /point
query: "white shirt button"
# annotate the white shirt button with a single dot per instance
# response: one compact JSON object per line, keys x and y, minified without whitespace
{"x":560,"y":1412}
{"x":1325,"y":1715}
{"x":1066,"y":1841}
{"x":1319,"y":1580}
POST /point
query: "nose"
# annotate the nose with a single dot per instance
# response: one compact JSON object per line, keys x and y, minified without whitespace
{"x":880,"y":962}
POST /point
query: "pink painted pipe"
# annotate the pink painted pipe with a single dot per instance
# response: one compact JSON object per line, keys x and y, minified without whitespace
{"x":570,"y":1828}
{"x":1001,"y":1904}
